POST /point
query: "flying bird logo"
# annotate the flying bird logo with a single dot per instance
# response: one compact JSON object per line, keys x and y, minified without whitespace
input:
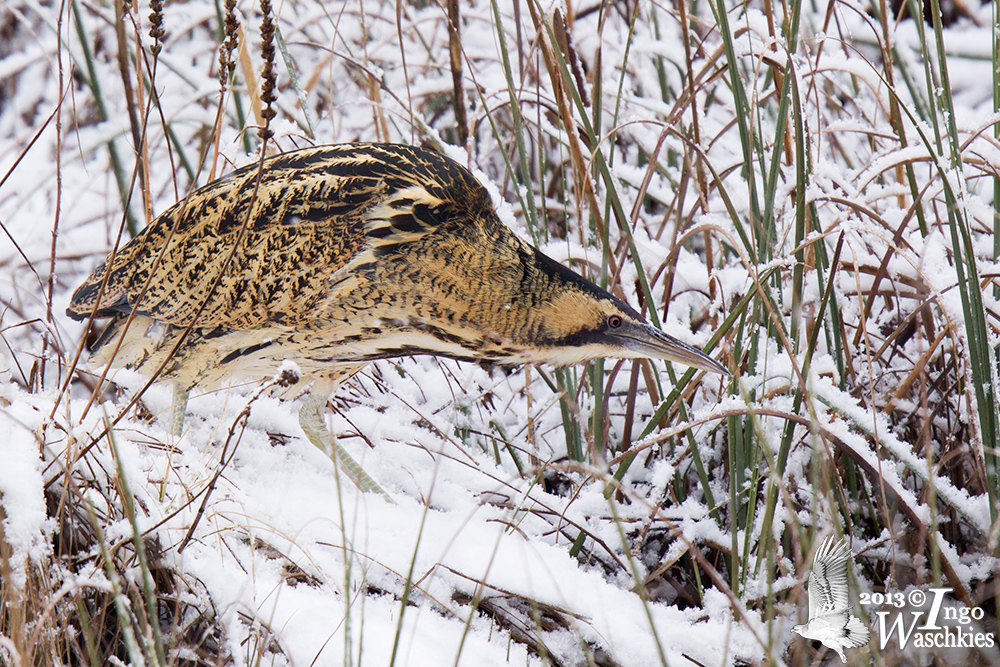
{"x":830,"y":619}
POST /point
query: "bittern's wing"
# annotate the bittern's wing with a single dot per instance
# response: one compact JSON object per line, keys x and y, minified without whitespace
{"x":828,"y":580}
{"x":314,"y":211}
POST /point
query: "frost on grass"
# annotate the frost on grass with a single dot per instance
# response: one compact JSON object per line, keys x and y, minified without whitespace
{"x":621,"y":153}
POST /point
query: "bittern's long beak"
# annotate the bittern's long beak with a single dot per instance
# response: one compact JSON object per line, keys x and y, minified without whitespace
{"x":642,"y":340}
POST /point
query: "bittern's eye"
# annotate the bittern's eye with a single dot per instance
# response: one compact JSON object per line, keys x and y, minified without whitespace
{"x":614,"y":321}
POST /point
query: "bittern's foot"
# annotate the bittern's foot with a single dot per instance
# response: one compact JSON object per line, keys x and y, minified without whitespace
{"x":313,"y":423}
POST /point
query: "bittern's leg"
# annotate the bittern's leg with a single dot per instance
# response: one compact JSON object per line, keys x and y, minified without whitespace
{"x":312,"y":419}
{"x":179,"y":408}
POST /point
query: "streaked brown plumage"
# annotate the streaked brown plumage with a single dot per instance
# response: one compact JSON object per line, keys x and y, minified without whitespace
{"x":345,"y":254}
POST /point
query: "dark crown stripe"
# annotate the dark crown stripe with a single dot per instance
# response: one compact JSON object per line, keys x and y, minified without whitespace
{"x":581,"y":283}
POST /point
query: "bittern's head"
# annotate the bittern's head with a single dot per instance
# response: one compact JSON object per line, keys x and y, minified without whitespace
{"x":572,"y":320}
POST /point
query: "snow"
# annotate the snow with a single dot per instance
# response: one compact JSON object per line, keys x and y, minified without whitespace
{"x":25,"y":524}
{"x":441,"y":537}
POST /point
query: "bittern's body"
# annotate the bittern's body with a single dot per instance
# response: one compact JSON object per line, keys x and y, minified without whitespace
{"x":339,"y":255}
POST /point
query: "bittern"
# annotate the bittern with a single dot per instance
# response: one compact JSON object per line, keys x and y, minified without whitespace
{"x":334,"y":256}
